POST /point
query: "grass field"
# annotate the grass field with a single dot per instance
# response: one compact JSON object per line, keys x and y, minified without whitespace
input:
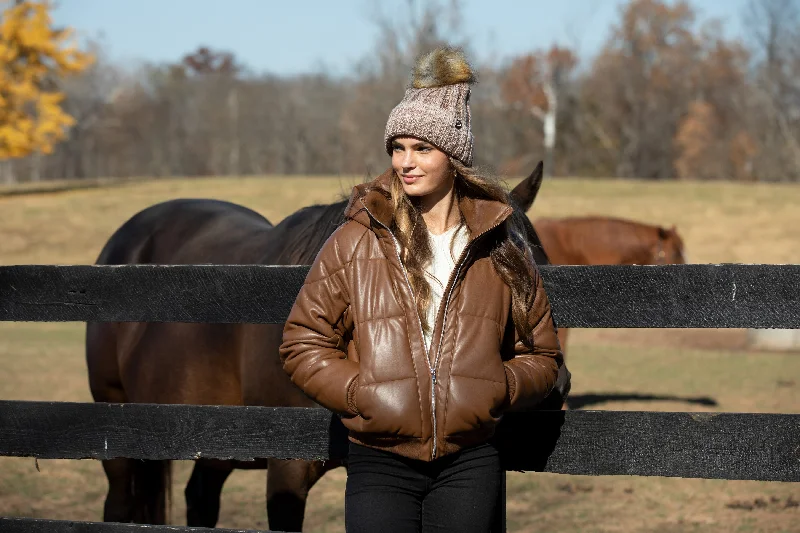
{"x":664,"y":370}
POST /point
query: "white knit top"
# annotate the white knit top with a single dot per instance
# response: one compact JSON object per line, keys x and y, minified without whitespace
{"x":446,"y":252}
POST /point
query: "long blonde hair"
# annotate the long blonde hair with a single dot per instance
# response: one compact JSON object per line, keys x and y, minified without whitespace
{"x":510,"y":254}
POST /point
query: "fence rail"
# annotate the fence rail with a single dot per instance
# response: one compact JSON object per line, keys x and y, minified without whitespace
{"x":697,"y":445}
{"x":38,"y":525}
{"x":613,"y":296}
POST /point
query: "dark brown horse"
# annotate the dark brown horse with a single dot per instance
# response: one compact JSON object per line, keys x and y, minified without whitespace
{"x":597,"y":240}
{"x":220,"y":364}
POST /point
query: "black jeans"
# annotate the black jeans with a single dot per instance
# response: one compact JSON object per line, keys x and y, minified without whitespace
{"x":388,"y":493}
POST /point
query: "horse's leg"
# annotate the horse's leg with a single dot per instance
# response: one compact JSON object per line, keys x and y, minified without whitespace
{"x":179,"y":363}
{"x":264,"y":382}
{"x":288,"y":484}
{"x":104,"y":383}
{"x":118,"y":506}
{"x":203,"y":491}
{"x":137,"y":491}
{"x":152,"y":485}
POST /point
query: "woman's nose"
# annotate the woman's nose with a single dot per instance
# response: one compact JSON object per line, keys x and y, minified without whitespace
{"x":408,"y":160}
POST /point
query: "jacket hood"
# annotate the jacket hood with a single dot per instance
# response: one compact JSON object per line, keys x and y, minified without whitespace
{"x":375,"y":198}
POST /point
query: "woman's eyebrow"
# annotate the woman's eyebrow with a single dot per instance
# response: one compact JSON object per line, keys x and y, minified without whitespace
{"x":420,"y":144}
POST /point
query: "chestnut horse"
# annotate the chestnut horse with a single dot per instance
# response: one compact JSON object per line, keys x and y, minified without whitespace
{"x":219,"y":364}
{"x":598,"y":240}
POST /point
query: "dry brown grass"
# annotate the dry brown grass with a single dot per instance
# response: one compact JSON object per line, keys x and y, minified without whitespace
{"x":719,"y":222}
{"x":45,"y":362}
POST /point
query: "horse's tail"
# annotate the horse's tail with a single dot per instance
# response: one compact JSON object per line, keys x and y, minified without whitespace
{"x":151,"y":486}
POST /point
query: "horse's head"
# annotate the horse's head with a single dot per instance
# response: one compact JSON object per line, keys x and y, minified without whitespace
{"x":668,"y":248}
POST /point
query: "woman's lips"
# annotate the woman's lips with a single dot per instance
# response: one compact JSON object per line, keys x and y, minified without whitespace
{"x":409,"y":179}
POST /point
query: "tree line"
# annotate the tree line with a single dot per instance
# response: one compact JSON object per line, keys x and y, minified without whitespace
{"x":668,"y":96}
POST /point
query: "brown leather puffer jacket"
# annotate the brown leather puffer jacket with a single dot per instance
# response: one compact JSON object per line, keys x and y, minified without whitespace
{"x":353,"y":340}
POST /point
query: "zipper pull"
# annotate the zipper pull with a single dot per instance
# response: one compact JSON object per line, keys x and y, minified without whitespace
{"x":433,"y":376}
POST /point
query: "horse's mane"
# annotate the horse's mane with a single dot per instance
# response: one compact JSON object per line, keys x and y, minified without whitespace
{"x":521,"y":219}
{"x":312,"y":226}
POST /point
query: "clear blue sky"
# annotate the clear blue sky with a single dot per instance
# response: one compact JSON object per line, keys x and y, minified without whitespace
{"x":291,"y":36}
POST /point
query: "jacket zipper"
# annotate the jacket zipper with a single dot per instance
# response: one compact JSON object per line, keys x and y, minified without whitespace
{"x":435,"y":364}
{"x":451,"y":284}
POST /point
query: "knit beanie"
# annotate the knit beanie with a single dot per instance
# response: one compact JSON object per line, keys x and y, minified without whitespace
{"x":435,"y":107}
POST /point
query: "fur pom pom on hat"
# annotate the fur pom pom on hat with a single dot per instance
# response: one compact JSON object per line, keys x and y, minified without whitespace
{"x":435,"y":107}
{"x":443,"y":66}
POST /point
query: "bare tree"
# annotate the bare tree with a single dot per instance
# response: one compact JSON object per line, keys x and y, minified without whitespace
{"x":532,"y":84}
{"x":662,"y":99}
{"x":774,"y":29}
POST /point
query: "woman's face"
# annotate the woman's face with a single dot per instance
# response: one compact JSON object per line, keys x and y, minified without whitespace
{"x":422,"y":168}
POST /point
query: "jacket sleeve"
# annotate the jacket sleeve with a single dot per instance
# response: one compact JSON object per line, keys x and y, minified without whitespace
{"x":313,"y":352}
{"x":531,"y":374}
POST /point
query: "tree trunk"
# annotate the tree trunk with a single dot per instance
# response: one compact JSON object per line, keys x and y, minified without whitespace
{"x":549,"y":129}
{"x":233,"y":137}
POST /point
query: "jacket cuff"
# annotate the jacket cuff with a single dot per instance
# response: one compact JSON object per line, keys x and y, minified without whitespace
{"x":511,"y":382}
{"x":352,"y":388}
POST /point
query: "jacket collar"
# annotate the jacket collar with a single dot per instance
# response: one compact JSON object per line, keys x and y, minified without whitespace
{"x":374,"y":198}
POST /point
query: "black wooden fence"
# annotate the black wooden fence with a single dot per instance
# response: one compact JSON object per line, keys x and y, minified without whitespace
{"x":697,"y":445}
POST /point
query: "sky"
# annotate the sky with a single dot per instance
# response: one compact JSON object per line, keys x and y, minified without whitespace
{"x":287,"y":37}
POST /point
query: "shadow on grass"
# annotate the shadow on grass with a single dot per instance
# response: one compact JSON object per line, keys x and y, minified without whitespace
{"x":579,"y":401}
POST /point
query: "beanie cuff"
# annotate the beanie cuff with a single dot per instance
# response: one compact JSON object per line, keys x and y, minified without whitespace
{"x":421,"y":115}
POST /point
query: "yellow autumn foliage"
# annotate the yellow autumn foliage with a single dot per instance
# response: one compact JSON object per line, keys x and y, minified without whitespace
{"x":32,"y":56}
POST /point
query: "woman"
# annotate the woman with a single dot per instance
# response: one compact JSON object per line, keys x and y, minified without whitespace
{"x":422,"y":320}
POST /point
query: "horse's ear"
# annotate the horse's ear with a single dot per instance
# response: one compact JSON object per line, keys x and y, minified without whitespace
{"x":525,"y":193}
